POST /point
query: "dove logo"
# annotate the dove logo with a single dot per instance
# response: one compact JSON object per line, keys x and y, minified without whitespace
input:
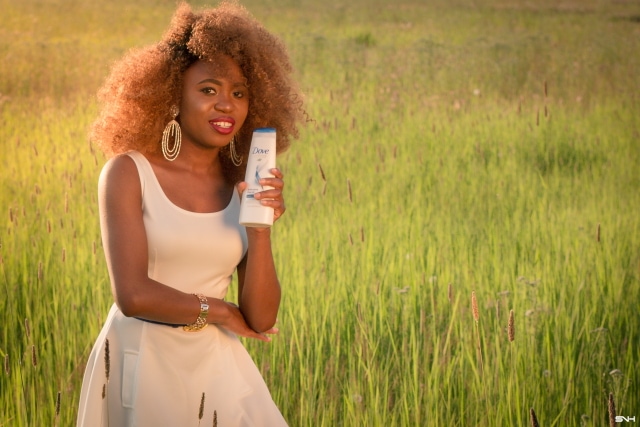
{"x":258,"y":150}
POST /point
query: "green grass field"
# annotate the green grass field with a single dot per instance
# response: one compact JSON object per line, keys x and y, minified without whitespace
{"x":457,"y":147}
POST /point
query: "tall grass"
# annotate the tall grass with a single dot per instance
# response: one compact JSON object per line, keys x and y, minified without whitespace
{"x":456,"y":147}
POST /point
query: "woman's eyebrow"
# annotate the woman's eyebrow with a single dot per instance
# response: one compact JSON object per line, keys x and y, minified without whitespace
{"x":219,"y":83}
{"x":214,"y":81}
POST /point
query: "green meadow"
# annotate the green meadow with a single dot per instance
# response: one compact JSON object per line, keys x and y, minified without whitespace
{"x":456,"y":150}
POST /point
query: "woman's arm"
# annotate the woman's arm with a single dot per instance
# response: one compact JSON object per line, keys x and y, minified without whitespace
{"x":258,"y":286}
{"x":125,"y":245}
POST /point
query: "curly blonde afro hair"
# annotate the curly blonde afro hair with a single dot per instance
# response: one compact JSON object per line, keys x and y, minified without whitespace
{"x":137,"y":97}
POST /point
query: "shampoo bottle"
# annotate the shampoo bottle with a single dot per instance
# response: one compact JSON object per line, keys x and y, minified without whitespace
{"x":261,"y":159}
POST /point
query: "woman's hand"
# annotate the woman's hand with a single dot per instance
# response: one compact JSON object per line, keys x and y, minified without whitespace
{"x":272,"y":198}
{"x":235,"y":323}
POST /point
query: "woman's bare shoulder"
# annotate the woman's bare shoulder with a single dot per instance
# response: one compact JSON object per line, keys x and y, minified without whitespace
{"x":118,"y":173}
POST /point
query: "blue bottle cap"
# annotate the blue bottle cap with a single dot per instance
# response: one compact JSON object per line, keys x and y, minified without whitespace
{"x":265,"y":130}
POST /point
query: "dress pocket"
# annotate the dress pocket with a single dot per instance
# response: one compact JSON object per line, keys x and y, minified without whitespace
{"x":129,"y":378}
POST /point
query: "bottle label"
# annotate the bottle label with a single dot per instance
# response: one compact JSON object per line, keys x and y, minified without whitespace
{"x":260,"y":170}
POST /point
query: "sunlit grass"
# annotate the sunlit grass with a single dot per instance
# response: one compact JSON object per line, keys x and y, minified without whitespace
{"x":454,"y":148}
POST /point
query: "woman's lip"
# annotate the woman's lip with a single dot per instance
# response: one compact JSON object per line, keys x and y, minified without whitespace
{"x":223,"y":125}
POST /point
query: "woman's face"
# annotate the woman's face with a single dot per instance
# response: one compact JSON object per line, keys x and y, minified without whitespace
{"x":215,"y":102}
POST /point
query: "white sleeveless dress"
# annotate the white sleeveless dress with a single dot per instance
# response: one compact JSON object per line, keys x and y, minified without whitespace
{"x":158,"y":373}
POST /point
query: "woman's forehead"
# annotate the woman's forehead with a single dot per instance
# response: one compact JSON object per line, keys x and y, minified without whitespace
{"x":223,"y":66}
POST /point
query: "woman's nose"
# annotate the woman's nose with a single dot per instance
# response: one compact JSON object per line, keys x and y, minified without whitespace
{"x":223,"y":105}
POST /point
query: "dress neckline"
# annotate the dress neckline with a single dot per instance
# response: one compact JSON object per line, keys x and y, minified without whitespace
{"x":151,"y":172}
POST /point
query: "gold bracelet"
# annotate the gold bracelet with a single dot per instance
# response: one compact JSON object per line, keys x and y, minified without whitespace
{"x":201,"y":321}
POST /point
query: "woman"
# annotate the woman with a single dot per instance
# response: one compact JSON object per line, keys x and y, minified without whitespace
{"x":169,"y":220}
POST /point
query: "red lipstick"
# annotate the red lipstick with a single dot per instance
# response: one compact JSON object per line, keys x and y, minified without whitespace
{"x":223,"y":125}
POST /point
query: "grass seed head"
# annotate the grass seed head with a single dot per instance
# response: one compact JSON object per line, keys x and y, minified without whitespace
{"x":612,"y":411}
{"x":534,"y":419}
{"x":201,"y":409}
{"x":107,"y":359}
{"x":215,"y":418}
{"x":34,"y":356}
{"x":474,"y":306}
{"x":324,"y":178}
{"x":511,"y":329}
{"x":58,"y":405}
{"x":27,"y":328}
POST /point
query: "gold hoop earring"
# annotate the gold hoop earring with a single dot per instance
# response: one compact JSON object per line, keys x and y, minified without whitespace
{"x":172,"y":129}
{"x":233,"y":154}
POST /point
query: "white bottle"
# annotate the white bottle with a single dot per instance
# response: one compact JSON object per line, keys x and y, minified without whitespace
{"x":262,"y":158}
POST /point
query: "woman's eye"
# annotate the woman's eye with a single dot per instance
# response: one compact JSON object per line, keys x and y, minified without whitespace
{"x":239,"y":94}
{"x":209,"y":91}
